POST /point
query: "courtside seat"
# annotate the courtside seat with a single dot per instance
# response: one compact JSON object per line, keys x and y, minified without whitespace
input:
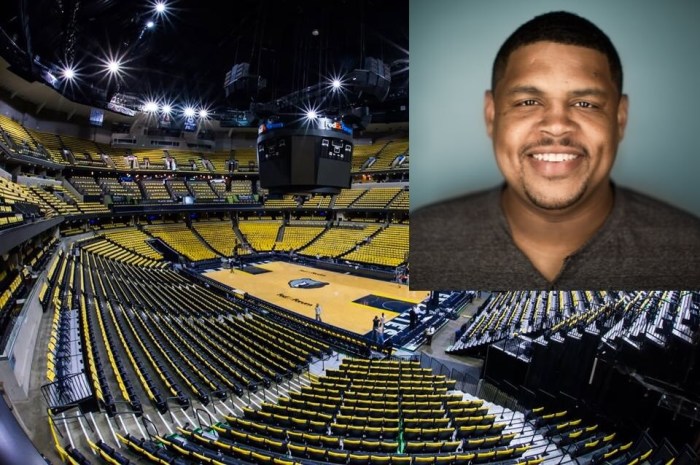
{"x":358,"y":459}
{"x":337,"y":457}
{"x":315,"y":453}
{"x":414,"y":447}
{"x":352,"y":444}
{"x":379,"y":459}
{"x":423,"y":460}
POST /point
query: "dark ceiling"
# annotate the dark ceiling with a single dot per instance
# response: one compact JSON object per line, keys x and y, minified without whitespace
{"x":187,"y":53}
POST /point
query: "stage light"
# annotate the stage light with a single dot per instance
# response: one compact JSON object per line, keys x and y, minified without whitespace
{"x":189,"y":112}
{"x":336,"y":84}
{"x":68,"y":73}
{"x":311,"y":115}
{"x":203,"y":113}
{"x":160,"y":7}
{"x":167,"y":108}
{"x":150,"y":107}
{"x":150,"y":24}
{"x":113,"y":66}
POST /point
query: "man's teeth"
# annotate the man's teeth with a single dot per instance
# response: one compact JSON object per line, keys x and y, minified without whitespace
{"x":554,"y":156}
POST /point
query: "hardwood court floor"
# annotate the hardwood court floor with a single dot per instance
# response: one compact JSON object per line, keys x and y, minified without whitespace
{"x":336,"y":299}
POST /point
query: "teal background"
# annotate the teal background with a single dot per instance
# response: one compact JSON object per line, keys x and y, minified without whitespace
{"x":453,"y":44}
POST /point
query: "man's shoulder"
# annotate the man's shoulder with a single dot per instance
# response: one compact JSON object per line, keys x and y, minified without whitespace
{"x":476,"y":204}
{"x":645,"y":211}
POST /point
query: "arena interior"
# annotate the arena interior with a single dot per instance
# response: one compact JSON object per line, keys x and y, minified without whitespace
{"x":160,"y":283}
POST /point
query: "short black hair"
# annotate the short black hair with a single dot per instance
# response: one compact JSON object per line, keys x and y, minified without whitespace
{"x":560,"y":27}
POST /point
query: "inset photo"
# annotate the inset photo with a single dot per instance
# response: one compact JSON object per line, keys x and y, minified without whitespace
{"x":554,"y":146}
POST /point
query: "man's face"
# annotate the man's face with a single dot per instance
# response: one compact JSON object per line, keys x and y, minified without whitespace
{"x":555,"y":118}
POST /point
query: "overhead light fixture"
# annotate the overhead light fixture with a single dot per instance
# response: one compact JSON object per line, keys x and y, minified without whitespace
{"x":68,"y":73}
{"x":150,"y":107}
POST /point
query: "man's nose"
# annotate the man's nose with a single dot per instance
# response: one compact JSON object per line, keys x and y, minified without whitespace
{"x":556,"y":120}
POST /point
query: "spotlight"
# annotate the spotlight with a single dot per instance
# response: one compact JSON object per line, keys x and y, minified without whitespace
{"x":150,"y":24}
{"x":167,"y":109}
{"x":189,"y":112}
{"x":203,"y":113}
{"x":68,"y":73}
{"x":336,"y":84}
{"x":113,"y":66}
{"x":311,"y":115}
{"x":160,"y":7}
{"x":150,"y":107}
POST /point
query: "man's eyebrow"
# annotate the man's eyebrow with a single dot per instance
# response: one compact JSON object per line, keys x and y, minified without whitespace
{"x":525,"y":90}
{"x":532,"y":90}
{"x":589,"y":91}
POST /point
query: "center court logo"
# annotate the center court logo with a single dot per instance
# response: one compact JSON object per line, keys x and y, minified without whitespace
{"x":306,"y":283}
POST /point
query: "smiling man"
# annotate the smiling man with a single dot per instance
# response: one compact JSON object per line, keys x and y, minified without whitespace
{"x":556,"y":113}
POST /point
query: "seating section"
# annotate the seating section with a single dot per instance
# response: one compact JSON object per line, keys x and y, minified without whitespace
{"x":127,"y":190}
{"x":319,"y":202}
{"x":652,"y":317}
{"x":135,"y":241}
{"x":241,"y":187}
{"x":17,"y":204}
{"x":288,"y":201}
{"x":353,"y":415}
{"x":401,"y":201}
{"x":362,"y":154}
{"x":337,"y":241}
{"x":247,"y":159}
{"x":57,"y":199}
{"x":389,"y":156}
{"x":52,"y":145}
{"x":219,"y":235}
{"x":181,"y":239}
{"x":389,"y":248}
{"x":113,"y":251}
{"x":175,"y":334}
{"x":156,"y":191}
{"x":114,"y":157}
{"x":85,"y":152}
{"x":202,"y":191}
{"x":86,"y":185}
{"x":347,"y":197}
{"x":177,"y":188}
{"x":261,"y":235}
{"x":17,"y":138}
{"x":523,"y":312}
{"x":376,"y":198}
{"x":296,"y":237}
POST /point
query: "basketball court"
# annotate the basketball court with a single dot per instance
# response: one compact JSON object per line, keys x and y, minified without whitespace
{"x":348,"y":302}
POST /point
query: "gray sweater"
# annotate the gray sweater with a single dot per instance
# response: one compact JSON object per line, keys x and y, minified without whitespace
{"x":465,"y":243}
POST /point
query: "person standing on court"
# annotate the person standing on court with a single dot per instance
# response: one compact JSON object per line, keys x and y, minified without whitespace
{"x":318,"y":312}
{"x":380,"y":331}
{"x":429,"y":335}
{"x":375,"y":328}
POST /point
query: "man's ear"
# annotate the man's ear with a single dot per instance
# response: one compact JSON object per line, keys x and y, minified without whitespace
{"x":489,"y":112}
{"x":622,"y":109}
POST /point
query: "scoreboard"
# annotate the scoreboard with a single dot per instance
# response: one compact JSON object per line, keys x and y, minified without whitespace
{"x":305,"y":159}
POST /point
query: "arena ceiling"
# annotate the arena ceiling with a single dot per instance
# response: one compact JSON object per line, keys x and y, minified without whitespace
{"x":185,"y":51}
